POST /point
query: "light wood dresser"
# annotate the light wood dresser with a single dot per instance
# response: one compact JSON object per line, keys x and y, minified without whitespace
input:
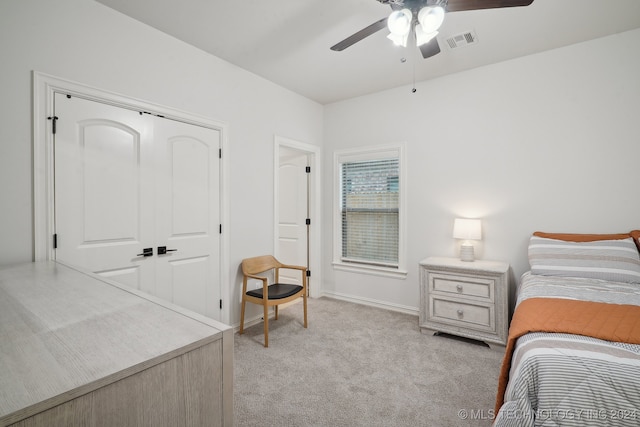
{"x":77,"y":350}
{"x":468,"y":299}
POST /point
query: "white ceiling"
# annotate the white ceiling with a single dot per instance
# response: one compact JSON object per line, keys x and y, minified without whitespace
{"x":287,"y":41}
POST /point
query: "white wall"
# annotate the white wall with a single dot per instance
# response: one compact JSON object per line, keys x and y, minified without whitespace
{"x":86,"y":42}
{"x":546,"y":142}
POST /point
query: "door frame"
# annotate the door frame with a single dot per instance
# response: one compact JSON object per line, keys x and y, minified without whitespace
{"x":44,"y":88}
{"x":313,"y":154}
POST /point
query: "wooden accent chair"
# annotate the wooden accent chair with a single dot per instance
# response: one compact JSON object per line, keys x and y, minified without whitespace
{"x":270,"y":295}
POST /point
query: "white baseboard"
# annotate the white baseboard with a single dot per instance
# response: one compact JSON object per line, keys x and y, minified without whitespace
{"x":373,"y":303}
{"x":249,"y":322}
{"x":342,"y":297}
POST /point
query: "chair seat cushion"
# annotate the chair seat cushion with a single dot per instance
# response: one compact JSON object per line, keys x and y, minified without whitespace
{"x":277,"y":291}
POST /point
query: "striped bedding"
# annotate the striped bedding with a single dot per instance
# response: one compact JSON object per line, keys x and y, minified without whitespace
{"x":558,"y":379}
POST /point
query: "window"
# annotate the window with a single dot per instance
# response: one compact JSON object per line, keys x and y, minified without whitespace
{"x":368,"y":225}
{"x":369,"y":210}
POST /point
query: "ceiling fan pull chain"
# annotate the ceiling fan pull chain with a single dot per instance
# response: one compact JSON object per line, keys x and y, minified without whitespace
{"x":413,"y":59}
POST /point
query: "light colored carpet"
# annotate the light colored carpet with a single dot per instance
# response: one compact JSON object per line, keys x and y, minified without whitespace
{"x":360,"y":366}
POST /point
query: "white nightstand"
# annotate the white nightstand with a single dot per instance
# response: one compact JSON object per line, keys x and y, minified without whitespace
{"x":468,"y":299}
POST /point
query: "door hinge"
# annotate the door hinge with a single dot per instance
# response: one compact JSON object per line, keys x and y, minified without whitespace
{"x":54,"y":120}
{"x":55,"y":241}
{"x":308,"y":221}
{"x":308,"y":273}
{"x":219,"y":153}
{"x":220,"y":228}
{"x":308,"y":169}
{"x":220,"y":304}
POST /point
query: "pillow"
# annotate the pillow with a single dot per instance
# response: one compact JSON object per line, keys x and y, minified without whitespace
{"x":615,"y":260}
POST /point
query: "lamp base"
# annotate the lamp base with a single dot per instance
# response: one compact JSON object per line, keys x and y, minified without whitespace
{"x":466,"y":252}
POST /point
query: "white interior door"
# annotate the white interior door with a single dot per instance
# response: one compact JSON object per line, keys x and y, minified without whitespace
{"x":104,"y":194}
{"x":125,"y":182}
{"x":292,"y":212}
{"x":188,"y":215}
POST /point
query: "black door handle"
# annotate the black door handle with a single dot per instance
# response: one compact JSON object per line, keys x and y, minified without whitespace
{"x":163,"y":250}
{"x":146,"y":252}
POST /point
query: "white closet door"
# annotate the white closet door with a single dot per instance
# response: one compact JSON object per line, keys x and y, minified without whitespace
{"x":104,"y":190}
{"x":188,"y":215}
{"x":127,"y":182}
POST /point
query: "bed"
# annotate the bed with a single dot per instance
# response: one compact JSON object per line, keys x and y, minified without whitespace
{"x":573,"y":353}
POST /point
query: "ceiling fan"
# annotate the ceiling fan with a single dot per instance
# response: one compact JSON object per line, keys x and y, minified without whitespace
{"x":422,"y":18}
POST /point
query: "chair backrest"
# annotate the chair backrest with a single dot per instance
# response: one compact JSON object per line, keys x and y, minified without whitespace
{"x":259,"y":264}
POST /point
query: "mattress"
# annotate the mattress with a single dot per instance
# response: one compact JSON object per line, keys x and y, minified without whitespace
{"x":558,"y":379}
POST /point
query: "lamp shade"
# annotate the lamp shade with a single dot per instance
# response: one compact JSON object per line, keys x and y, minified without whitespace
{"x":422,"y":37}
{"x":399,"y":22}
{"x":467,"y":229}
{"x":399,"y":40}
{"x":431,"y":18}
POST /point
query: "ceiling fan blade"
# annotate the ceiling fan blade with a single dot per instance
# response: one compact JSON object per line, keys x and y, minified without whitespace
{"x":430,"y":48}
{"x":460,"y":5}
{"x":363,"y":33}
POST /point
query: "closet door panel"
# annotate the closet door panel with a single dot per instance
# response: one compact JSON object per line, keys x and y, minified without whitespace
{"x":188,"y":207}
{"x":104,"y":190}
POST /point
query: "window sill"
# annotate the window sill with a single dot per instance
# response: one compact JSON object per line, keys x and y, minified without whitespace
{"x":369,"y":269}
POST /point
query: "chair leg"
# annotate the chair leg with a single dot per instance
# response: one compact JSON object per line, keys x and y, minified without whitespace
{"x":266,"y":325}
{"x":304,"y":302}
{"x":242,"y":317}
{"x":276,"y":308}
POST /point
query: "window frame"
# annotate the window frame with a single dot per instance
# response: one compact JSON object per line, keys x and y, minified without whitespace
{"x":393,"y":150}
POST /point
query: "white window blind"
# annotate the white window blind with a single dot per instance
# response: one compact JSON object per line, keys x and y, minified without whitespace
{"x":370,"y":212}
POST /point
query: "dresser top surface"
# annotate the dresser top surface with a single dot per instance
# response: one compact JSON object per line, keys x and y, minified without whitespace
{"x":456,"y":263}
{"x":61,"y":329}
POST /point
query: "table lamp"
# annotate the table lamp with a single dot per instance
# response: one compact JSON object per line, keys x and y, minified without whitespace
{"x":467,"y":230}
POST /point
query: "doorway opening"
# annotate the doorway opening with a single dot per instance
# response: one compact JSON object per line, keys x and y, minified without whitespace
{"x":297,"y":208}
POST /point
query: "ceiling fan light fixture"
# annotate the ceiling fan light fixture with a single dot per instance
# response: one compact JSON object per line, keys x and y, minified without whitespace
{"x":399,"y":40}
{"x":431,"y":18}
{"x":399,"y":22}
{"x":423,"y":37}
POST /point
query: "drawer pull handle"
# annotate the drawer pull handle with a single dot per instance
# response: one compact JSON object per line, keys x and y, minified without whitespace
{"x":460,"y":313}
{"x":459,"y":288}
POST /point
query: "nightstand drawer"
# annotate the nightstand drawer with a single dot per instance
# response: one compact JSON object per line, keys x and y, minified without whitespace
{"x":465,"y":314}
{"x":462,"y":285}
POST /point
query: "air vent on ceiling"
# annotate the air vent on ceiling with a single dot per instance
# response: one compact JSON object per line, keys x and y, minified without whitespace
{"x":462,"y":39}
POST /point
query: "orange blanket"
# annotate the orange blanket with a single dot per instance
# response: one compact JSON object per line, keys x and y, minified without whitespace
{"x":610,"y":322}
